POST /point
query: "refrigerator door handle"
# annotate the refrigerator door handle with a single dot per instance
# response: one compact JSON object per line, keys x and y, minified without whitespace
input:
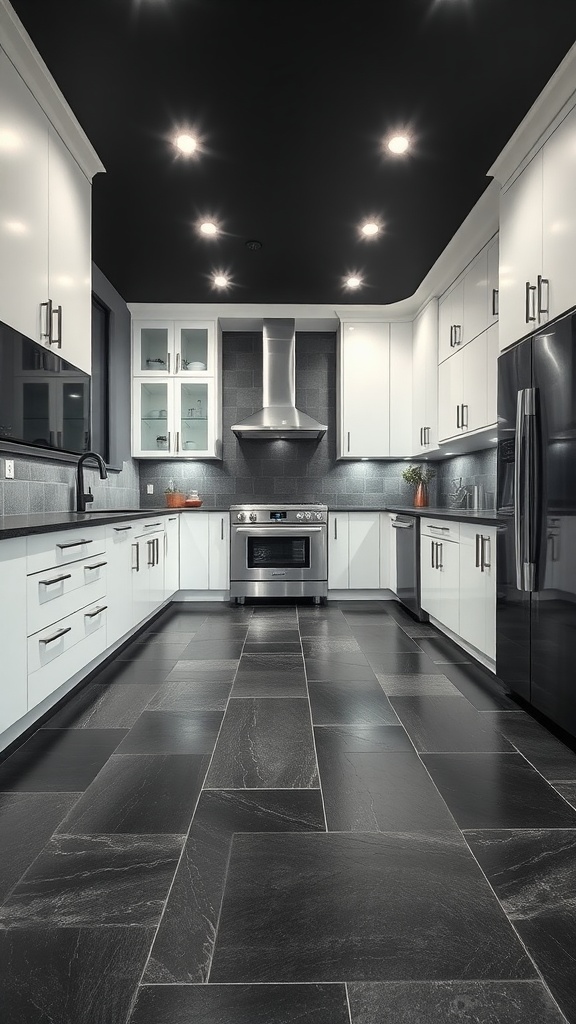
{"x":526,"y":487}
{"x":518,"y":503}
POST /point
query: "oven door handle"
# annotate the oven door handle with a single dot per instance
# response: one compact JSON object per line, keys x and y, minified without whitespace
{"x":277,"y":531}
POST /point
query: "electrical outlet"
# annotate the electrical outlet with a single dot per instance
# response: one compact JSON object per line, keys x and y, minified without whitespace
{"x":9,"y":469}
{"x":149,"y":488}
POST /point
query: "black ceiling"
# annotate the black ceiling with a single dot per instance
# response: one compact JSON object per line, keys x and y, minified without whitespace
{"x":292,"y":99}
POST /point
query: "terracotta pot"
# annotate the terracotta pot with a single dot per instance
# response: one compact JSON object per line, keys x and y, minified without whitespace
{"x":175,"y":499}
{"x":421,"y":496}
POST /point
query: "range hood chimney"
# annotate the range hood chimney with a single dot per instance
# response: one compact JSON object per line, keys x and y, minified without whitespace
{"x":279,"y":418}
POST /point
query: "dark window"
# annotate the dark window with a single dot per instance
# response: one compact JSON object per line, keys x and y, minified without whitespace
{"x":100,"y":379}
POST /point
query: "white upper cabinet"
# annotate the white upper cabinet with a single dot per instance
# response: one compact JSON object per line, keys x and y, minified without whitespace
{"x":475,"y":314}
{"x":23,"y":203}
{"x":424,"y":381}
{"x":401,"y":391}
{"x":493,"y":295}
{"x":364,"y":370}
{"x":470,"y":305}
{"x":174,"y":348}
{"x":450,"y":320}
{"x":538,"y":235}
{"x":465,"y":383}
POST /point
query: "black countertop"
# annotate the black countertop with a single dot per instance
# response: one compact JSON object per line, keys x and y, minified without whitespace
{"x":48,"y":522}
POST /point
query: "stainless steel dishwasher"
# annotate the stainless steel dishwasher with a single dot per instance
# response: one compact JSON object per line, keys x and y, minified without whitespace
{"x":408,"y":563}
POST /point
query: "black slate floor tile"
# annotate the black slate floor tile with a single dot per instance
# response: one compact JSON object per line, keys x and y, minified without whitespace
{"x":140,"y":656}
{"x":367,"y":739}
{"x":158,"y":641}
{"x":416,"y":629}
{"x":241,"y":1004}
{"x":97,"y":706}
{"x":273,"y":648}
{"x":350,"y":703}
{"x":448,"y":724}
{"x":534,"y":876}
{"x":183,"y":948}
{"x":404,"y":664}
{"x":361,"y":907}
{"x":379,"y":792}
{"x":221,"y":629}
{"x":215,"y":671}
{"x":553,"y":759}
{"x":189,"y":697}
{"x":441,"y":650}
{"x":329,"y":670}
{"x":344,"y":650}
{"x":155,"y":647}
{"x":393,"y":641}
{"x":212,"y":650}
{"x":140,"y":794}
{"x":27,"y":820}
{"x":120,"y":672}
{"x":417,"y":685}
{"x":452,"y":1002}
{"x":480,"y":687}
{"x":324,"y":629}
{"x":264,"y":632}
{"x":567,"y":790}
{"x":68,"y":975}
{"x":265,"y":743}
{"x":497,"y":791}
{"x":170,"y":732}
{"x":58,"y":760}
{"x":95,"y":880}
{"x":281,"y":675}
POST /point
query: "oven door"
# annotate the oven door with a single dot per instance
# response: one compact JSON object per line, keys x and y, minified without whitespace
{"x":263,"y":553}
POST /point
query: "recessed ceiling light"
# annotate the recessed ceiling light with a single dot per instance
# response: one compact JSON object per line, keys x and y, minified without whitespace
{"x":370,"y":228}
{"x":353,"y":282}
{"x":186,"y":143}
{"x":253,"y":244}
{"x":220,"y":281}
{"x":398,"y":144}
{"x":208,"y":227}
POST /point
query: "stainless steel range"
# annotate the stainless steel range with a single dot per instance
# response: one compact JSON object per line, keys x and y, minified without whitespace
{"x":278,"y":551}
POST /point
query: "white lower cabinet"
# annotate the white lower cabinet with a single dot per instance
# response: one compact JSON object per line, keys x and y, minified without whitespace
{"x":119,"y":554}
{"x":148,"y":571}
{"x":57,"y":653}
{"x":204,"y":551}
{"x":478,"y":587}
{"x":13,"y":683}
{"x":440,"y":572}
{"x":354,"y":551}
{"x":171,"y":555}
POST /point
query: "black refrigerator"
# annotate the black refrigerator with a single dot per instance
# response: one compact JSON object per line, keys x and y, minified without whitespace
{"x":536,"y":549}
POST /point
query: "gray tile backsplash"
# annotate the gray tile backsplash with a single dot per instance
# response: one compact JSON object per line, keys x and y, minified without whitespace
{"x":45,"y":486}
{"x":252,"y":471}
{"x":476,"y":468}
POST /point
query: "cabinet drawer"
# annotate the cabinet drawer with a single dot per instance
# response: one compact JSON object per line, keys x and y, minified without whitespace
{"x":57,"y":653}
{"x":441,"y":529}
{"x":55,"y":593}
{"x":52,"y":646}
{"x":144,"y":527}
{"x":49,"y":550}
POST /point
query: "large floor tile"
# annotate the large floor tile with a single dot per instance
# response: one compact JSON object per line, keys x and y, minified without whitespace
{"x":392,"y":641}
{"x":269,"y":633}
{"x":379,"y":792}
{"x":362,"y":739}
{"x":324,"y":629}
{"x":479,"y":686}
{"x":360,"y":907}
{"x":263,"y":675}
{"x":58,"y":760}
{"x":497,"y":791}
{"x":452,"y":1002}
{"x":440,"y":649}
{"x":241,"y":1004}
{"x":97,"y":706}
{"x":68,"y":975}
{"x":448,"y":724}
{"x":208,"y":671}
{"x":553,"y":759}
{"x":350,"y":703}
{"x":143,"y":672}
{"x":149,"y":658}
{"x":212,"y":650}
{"x":567,"y":790}
{"x":95,"y":880}
{"x":140,"y":794}
{"x":190,"y":697}
{"x":417,"y":685}
{"x":416,"y":629}
{"x":344,"y":650}
{"x":184,"y":945}
{"x":534,"y":876}
{"x":273,"y":647}
{"x":264,"y":743}
{"x":404,"y":663}
{"x":27,"y":820}
{"x":155,"y":646}
{"x":221,"y":629}
{"x":170,"y":732}
{"x":331,"y":670}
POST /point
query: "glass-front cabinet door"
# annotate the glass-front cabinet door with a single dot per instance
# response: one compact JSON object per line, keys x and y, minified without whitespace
{"x":194,"y":348}
{"x":194,"y":417}
{"x":153,"y":347}
{"x":153,"y":418}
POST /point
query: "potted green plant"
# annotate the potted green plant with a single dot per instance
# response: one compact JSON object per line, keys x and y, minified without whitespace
{"x":419,"y":477}
{"x":174,"y":497}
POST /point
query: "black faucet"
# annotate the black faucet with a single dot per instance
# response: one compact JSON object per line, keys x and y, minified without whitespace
{"x":82,"y":499}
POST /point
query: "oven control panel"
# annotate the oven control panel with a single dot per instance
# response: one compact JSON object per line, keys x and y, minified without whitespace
{"x":284,"y":516}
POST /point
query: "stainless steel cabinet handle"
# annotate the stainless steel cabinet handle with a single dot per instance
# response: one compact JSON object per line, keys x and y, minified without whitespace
{"x":47,"y":306}
{"x":348,"y":440}
{"x":177,"y":362}
{"x":172,"y":519}
{"x":169,"y":441}
{"x":458,"y":417}
{"x":477,"y":550}
{"x":97,"y":565}
{"x":58,"y":339}
{"x":484,"y":561}
{"x":495,"y":302}
{"x":157,"y":549}
{"x":150,"y":544}
{"x":136,"y":547}
{"x":51,"y":639}
{"x":57,"y":579}
{"x":464,"y":422}
{"x":177,"y":440}
{"x":530,"y":295}
{"x":222,"y":528}
{"x":147,"y":526}
{"x":335,"y":528}
{"x":97,"y":611}
{"x":543,"y":283}
{"x":451,"y":336}
{"x":442,"y":529}
{"x":402,"y":526}
{"x":457,"y":334}
{"x":75,"y":543}
{"x":432,"y":546}
{"x":421,"y":436}
{"x":121,"y":529}
{"x":439,"y":555}
{"x":168,"y":362}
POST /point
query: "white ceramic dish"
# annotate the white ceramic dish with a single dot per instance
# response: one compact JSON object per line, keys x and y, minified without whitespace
{"x":196,"y":366}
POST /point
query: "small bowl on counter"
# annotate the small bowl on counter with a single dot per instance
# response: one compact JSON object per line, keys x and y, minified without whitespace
{"x":193,"y":502}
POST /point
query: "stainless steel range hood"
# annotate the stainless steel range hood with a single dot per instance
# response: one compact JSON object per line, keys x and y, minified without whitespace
{"x":279,"y":418}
